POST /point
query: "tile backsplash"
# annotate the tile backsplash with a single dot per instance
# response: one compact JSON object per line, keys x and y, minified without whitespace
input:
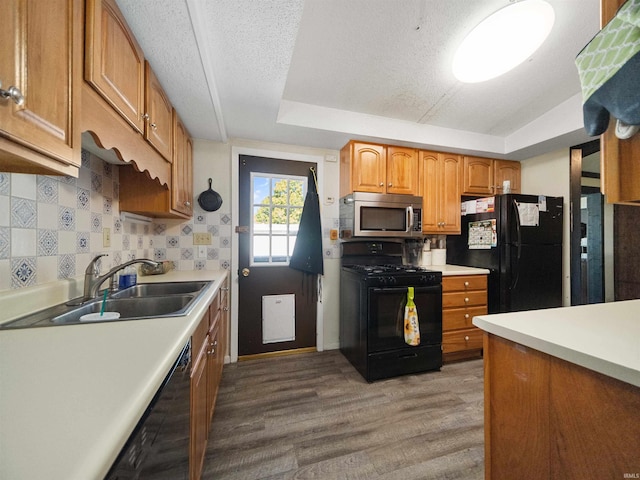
{"x":51,"y":227}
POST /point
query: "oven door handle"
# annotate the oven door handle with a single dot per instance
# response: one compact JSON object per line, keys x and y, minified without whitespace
{"x":410,"y":216}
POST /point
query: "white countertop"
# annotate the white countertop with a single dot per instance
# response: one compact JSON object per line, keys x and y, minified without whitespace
{"x":71,"y":395}
{"x":604,"y":337}
{"x":457,"y":270}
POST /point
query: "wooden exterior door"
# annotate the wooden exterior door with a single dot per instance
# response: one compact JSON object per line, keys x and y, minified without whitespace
{"x":271,"y":194}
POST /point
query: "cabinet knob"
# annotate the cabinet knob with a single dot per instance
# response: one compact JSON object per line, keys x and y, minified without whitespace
{"x":466,"y":284}
{"x":466,"y":338}
{"x":145,"y":116}
{"x":391,"y":184}
{"x":187,"y":203}
{"x":154,"y":126}
{"x":225,"y":308}
{"x":466,"y":299}
{"x":13,"y":93}
{"x":466,"y":315}
{"x":382,"y":184}
{"x":212,"y":351}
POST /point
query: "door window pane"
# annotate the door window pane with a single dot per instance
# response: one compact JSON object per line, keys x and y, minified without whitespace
{"x":277,"y":208}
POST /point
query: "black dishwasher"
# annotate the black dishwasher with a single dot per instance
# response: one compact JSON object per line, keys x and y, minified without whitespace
{"x":158,"y":447}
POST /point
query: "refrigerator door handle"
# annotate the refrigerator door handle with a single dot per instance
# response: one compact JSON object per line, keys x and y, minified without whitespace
{"x":516,"y":268}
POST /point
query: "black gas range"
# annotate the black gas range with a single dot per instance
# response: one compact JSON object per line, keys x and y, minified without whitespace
{"x":374,"y":286}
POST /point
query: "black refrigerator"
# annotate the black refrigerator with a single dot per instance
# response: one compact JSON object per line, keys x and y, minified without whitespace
{"x":519,"y":239}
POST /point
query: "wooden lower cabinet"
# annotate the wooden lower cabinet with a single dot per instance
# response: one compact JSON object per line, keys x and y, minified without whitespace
{"x":208,"y":344}
{"x":546,"y":418}
{"x":199,"y":417}
{"x":463,"y":297}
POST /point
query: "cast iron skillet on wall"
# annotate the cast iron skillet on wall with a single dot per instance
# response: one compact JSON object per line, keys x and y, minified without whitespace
{"x":210,"y":200}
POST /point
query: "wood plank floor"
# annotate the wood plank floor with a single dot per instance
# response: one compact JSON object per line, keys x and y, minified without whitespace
{"x":312,"y":416}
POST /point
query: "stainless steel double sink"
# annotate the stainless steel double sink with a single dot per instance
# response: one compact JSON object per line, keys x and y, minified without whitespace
{"x":148,"y":300}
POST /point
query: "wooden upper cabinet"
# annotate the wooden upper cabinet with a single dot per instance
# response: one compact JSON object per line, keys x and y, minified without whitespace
{"x":507,"y":170}
{"x":182,"y":169}
{"x":402,"y":171}
{"x":478,"y":176}
{"x":440,"y":175}
{"x":158,"y":116}
{"x":114,"y":62}
{"x":485,"y":176}
{"x":362,"y":168}
{"x":367,"y":167}
{"x":41,"y":58}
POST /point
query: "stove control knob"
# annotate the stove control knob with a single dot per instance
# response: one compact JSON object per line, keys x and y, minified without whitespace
{"x":393,"y":280}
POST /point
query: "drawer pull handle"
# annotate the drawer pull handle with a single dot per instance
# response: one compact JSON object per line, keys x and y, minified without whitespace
{"x":466,"y":299}
{"x":466,"y":315}
{"x":466,"y":338}
{"x":466,"y":284}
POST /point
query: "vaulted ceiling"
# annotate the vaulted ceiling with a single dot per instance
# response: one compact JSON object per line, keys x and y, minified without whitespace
{"x":319,"y":72}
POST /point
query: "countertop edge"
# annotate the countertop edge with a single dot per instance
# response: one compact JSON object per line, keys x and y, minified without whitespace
{"x":591,"y":362}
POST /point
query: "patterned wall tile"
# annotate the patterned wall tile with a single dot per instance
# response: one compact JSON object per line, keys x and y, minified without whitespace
{"x":5,"y":242}
{"x":96,"y":222}
{"x":23,"y":272}
{"x":84,"y":199}
{"x":66,"y":218}
{"x":23,"y":213}
{"x":82,"y":242}
{"x":56,"y":225}
{"x":4,"y":184}
{"x":173,"y":242}
{"x":107,"y":206}
{"x":47,"y":189}
{"x":66,"y":266}
{"x":47,"y":243}
{"x":85,"y":159}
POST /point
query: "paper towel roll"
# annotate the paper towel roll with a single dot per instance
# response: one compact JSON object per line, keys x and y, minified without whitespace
{"x":438,"y":256}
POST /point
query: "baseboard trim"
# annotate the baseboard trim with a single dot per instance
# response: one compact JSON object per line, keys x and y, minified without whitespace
{"x":279,"y":353}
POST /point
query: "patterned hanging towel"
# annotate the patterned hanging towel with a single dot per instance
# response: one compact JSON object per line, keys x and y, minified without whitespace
{"x":411,"y":324}
{"x":609,"y":69}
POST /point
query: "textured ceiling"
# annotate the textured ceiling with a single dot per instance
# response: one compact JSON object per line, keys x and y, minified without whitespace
{"x":319,"y":72}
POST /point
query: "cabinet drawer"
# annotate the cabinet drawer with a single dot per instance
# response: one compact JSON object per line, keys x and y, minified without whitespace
{"x":457,"y":318}
{"x":199,"y":335}
{"x":464,"y":283}
{"x":460,"y":340}
{"x":462,"y":299}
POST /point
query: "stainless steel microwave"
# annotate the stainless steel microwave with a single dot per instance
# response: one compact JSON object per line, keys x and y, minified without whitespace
{"x":380,"y":215}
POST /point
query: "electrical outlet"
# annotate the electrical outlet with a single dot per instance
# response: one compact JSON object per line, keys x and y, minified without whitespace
{"x":106,"y":237}
{"x":202,"y":238}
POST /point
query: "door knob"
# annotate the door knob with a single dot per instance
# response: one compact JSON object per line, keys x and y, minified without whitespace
{"x":245,"y":272}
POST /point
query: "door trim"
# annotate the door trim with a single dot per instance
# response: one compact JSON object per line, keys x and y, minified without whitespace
{"x":235,"y":210}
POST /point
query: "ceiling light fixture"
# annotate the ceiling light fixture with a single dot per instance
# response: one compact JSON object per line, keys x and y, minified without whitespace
{"x":503,"y":40}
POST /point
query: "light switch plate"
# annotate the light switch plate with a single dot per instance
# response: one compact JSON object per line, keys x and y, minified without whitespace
{"x":202,"y":238}
{"x":106,"y":237}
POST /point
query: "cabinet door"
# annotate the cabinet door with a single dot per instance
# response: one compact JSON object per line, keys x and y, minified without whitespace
{"x":182,"y":170}
{"x":114,"y":62}
{"x":402,"y":171}
{"x":440,"y":189}
{"x":429,"y":191}
{"x":368,"y":168}
{"x":41,"y":57}
{"x":507,"y":170}
{"x":477,"y":176}
{"x":158,"y":128}
{"x":199,"y":422}
{"x":450,"y":196}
